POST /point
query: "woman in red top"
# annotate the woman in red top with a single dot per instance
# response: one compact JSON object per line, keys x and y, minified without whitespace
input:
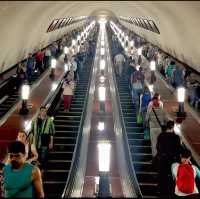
{"x":39,"y":57}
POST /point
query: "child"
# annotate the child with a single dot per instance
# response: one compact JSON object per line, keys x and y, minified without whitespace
{"x":185,"y":174}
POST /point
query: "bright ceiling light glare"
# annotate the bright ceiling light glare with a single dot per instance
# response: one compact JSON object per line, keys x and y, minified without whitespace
{"x":132,"y":43}
{"x":126,"y":49}
{"x":151,"y":89}
{"x":73,"y":42}
{"x":102,"y":64}
{"x":66,"y":67}
{"x":27,"y":126}
{"x":104,"y":156}
{"x":102,"y":93}
{"x":137,"y":67}
{"x":139,"y":51}
{"x":102,"y":51}
{"x":102,"y":79}
{"x":66,"y":50}
{"x":153,"y":65}
{"x":54,"y":86}
{"x":78,"y":38}
{"x":102,"y":43}
{"x":101,"y":126}
{"x":53,"y":63}
{"x":177,"y":129}
{"x":181,"y":94}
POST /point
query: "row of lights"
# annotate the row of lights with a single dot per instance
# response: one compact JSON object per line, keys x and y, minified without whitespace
{"x":104,"y":146}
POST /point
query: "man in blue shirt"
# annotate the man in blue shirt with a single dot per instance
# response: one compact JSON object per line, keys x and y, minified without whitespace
{"x":30,"y":65}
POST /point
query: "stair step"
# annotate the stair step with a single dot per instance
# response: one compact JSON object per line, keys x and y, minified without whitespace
{"x":59,"y":165}
{"x":64,"y":140}
{"x":64,"y":147}
{"x":56,"y":187}
{"x":60,"y":155}
{"x":139,"y":142}
{"x":67,"y":127}
{"x":141,"y":158}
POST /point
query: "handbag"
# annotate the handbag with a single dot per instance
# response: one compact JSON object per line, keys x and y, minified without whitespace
{"x":139,"y":119}
{"x":147,"y":134}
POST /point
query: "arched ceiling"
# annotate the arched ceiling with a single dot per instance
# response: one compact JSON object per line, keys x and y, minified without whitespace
{"x":24,"y":24}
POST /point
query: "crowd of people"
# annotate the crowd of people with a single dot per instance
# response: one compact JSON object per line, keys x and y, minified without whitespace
{"x":27,"y":157}
{"x":171,"y":159}
{"x":174,"y":72}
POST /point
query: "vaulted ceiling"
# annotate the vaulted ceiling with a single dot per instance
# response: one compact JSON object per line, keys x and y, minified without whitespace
{"x":23,"y":25}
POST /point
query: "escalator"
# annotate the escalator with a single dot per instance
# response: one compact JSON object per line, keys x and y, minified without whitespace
{"x":67,"y":128}
{"x":140,"y":149}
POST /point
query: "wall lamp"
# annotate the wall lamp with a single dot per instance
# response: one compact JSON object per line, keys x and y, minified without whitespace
{"x":25,"y":95}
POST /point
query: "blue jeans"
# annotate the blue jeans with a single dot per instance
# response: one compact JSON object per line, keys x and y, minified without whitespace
{"x":43,"y":153}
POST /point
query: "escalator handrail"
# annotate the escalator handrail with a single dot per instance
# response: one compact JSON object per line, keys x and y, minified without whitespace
{"x":126,"y":145}
{"x":71,"y":175}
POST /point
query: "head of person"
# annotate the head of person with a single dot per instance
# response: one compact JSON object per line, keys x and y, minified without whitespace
{"x":16,"y":151}
{"x":172,"y":63}
{"x":43,"y":112}
{"x":73,"y":58}
{"x":156,"y":100}
{"x":30,"y":54}
{"x":22,"y":136}
{"x":140,"y":69}
{"x":185,"y":155}
{"x":146,"y":89}
{"x":170,"y":126}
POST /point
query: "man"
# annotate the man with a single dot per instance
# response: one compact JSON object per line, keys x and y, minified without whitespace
{"x":47,"y":57}
{"x":39,"y":57}
{"x":168,"y":151}
{"x":119,"y":61}
{"x":30,"y":65}
{"x":42,"y":132}
{"x":21,"y":179}
{"x":184,"y":174}
{"x":73,"y":67}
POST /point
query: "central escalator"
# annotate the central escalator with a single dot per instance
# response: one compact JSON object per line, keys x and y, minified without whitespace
{"x":67,"y":129}
{"x":139,"y":147}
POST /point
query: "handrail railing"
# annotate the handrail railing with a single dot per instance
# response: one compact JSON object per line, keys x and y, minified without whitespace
{"x":133,"y":178}
{"x":74,"y":164}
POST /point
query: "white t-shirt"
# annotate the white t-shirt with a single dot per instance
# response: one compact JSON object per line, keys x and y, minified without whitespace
{"x":119,"y":58}
{"x":74,"y":65}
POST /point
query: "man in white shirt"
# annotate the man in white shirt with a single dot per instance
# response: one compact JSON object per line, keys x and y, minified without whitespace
{"x":73,"y":66}
{"x":119,"y":61}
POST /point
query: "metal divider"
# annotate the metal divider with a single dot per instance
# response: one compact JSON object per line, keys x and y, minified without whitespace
{"x":127,"y":171}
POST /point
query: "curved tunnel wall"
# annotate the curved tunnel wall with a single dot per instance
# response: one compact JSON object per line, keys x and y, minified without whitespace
{"x":24,"y":23}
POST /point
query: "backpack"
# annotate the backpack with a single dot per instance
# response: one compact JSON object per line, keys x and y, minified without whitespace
{"x":185,"y":178}
{"x":146,"y":98}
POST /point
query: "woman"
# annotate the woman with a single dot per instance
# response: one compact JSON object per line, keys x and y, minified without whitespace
{"x":68,"y":92}
{"x":155,"y":108}
{"x":145,"y":98}
{"x":31,"y":152}
{"x":21,"y":74}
